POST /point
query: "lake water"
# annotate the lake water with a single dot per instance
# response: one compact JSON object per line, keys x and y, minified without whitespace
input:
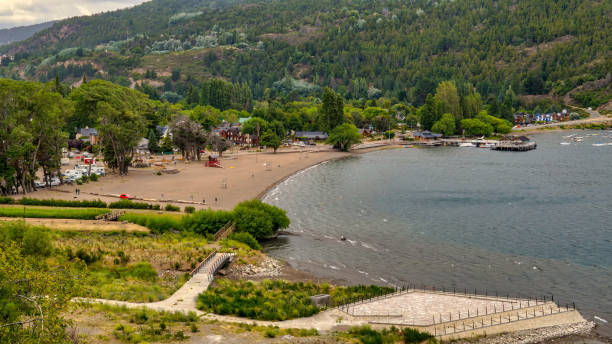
{"x":538,"y":223}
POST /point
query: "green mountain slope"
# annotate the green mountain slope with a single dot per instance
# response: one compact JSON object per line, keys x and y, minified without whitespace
{"x":361,"y":48}
{"x":20,"y":33}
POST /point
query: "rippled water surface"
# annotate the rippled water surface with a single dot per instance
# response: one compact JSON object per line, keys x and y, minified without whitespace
{"x":536,"y":223}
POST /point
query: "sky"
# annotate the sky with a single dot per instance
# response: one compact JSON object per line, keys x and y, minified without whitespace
{"x":26,"y":12}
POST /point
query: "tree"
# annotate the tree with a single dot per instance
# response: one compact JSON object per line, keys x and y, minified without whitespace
{"x":270,"y":139}
{"x":254,"y":126}
{"x":218,"y":143}
{"x":121,"y":112}
{"x":428,"y":113}
{"x":332,"y":110}
{"x":445,"y":126}
{"x":31,"y":120}
{"x":448,"y":99}
{"x":153,"y":145}
{"x":32,"y":297}
{"x":475,"y":127}
{"x":344,"y":136}
{"x":411,"y":120}
{"x":188,"y":136}
{"x":381,"y":122}
{"x":167,"y":145}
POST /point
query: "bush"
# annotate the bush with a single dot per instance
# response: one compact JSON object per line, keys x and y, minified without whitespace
{"x":206,"y":221}
{"x":52,"y":213}
{"x":79,"y":181}
{"x":414,"y":336}
{"x":6,"y":200}
{"x":62,"y":203}
{"x":170,"y":207}
{"x":156,"y":223}
{"x":34,"y":241}
{"x":189,"y":209}
{"x":273,"y":300}
{"x":127,"y":204}
{"x":260,"y":219}
{"x":93,"y":177}
{"x":246,"y":238}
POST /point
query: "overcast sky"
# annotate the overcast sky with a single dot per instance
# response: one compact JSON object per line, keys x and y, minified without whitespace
{"x":27,"y":12}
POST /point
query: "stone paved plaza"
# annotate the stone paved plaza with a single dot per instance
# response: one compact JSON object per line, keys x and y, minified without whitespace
{"x":420,"y":308}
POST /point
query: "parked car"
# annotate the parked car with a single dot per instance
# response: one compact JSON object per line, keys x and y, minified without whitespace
{"x":39,"y":184}
{"x":55,"y":182}
{"x":125,"y":196}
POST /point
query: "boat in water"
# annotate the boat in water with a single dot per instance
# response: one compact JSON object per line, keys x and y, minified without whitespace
{"x":467,"y":144}
{"x":565,"y":143}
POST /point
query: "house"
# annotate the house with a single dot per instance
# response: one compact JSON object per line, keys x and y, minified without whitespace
{"x":143,"y":146}
{"x":426,"y":136}
{"x":88,"y":134}
{"x":311,"y":135}
{"x":163,"y":131}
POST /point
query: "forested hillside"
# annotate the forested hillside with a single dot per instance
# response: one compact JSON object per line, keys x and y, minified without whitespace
{"x":360,"y":48}
{"x":20,"y":33}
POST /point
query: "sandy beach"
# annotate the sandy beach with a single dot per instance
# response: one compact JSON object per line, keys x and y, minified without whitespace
{"x":244,"y":176}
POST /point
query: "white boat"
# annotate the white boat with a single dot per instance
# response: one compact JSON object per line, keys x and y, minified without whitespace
{"x":565,"y":143}
{"x":599,"y":144}
{"x":467,"y":144}
{"x":487,"y":145}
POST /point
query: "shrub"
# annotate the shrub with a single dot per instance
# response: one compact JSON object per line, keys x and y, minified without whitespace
{"x":156,"y":223}
{"x":189,"y":209}
{"x":414,"y":336}
{"x":273,"y":300}
{"x":34,"y":241}
{"x":156,"y":207}
{"x":246,"y":238}
{"x":93,"y":177}
{"x":79,"y":182}
{"x":260,"y":219}
{"x":85,"y":179}
{"x":127,"y":204}
{"x":62,"y":203}
{"x":170,"y":207}
{"x":206,"y":221}
{"x":6,"y":200}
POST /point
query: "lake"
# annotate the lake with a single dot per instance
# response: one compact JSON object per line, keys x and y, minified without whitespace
{"x":535,"y":223}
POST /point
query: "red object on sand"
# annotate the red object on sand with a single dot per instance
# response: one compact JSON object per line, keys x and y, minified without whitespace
{"x":125,"y":196}
{"x":213,"y":161}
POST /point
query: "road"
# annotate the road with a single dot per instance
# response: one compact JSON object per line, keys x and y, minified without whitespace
{"x":595,"y":117}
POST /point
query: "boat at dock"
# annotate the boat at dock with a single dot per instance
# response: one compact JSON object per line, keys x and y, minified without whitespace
{"x":467,"y":144}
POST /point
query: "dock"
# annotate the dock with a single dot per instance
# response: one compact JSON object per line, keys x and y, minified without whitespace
{"x":514,"y":146}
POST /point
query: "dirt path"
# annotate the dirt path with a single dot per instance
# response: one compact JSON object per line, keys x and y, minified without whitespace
{"x":81,"y":225}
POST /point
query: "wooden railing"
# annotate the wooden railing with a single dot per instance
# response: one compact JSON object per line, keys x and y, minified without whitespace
{"x":225,"y":231}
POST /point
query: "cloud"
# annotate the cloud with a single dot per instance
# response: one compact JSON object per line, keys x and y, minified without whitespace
{"x":28,"y":12}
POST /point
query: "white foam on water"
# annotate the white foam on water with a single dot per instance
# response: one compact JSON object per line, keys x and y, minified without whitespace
{"x":600,"y":319}
{"x":363,"y":272}
{"x":382,"y":279}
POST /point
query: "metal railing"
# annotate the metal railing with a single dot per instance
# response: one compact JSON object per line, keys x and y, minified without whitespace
{"x":508,"y":304}
{"x":202,"y":263}
{"x":497,"y":320}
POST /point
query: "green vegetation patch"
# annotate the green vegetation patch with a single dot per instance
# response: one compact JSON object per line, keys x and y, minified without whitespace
{"x":366,"y":335}
{"x":156,"y":223}
{"x":129,"y":266}
{"x":52,"y":213}
{"x":275,"y":300}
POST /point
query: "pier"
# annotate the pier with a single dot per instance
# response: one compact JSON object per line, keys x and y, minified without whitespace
{"x":514,"y":146}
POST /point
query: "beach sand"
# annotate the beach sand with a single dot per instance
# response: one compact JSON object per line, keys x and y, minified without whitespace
{"x":245,"y":176}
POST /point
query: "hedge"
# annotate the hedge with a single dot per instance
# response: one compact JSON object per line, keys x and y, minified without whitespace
{"x":127,"y":204}
{"x":62,"y":203}
{"x":80,"y":214}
